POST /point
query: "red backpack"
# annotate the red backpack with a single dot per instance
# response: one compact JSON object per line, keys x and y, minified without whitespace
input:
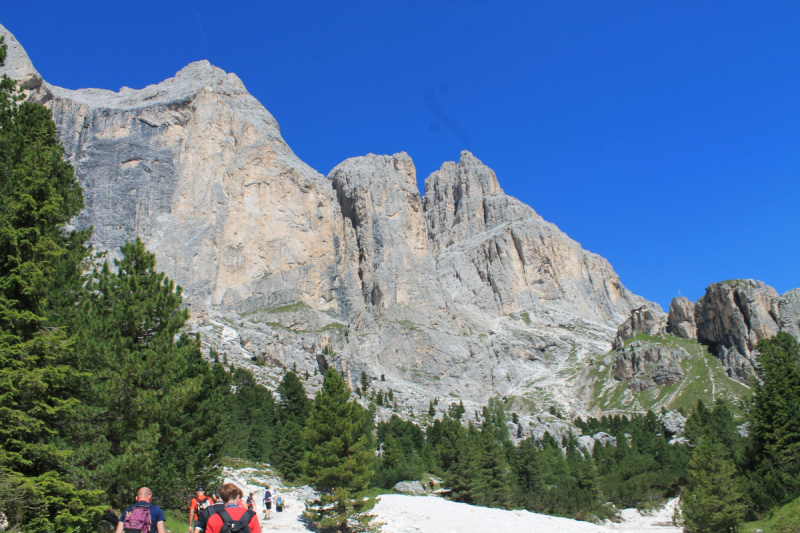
{"x":138,"y":520}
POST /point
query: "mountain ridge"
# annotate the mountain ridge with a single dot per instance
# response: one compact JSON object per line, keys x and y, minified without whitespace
{"x":464,"y":292}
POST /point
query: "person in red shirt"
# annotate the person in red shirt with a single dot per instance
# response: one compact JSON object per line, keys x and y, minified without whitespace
{"x":230,"y":493}
{"x":198,"y":504}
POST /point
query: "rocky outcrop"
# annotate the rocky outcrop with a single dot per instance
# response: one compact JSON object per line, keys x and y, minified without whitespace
{"x":586,"y":443}
{"x":733,"y":316}
{"x":643,"y":319}
{"x":674,"y":423}
{"x":648,"y":365}
{"x":682,"y":320}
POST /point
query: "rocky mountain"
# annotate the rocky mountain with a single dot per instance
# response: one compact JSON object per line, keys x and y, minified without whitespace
{"x":460,"y":294}
{"x":733,"y":316}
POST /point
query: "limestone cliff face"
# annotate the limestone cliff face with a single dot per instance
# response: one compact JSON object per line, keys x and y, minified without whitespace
{"x":734,"y":315}
{"x":197,"y":168}
{"x":463,"y":293}
{"x":382,"y":212}
{"x":495,"y":254}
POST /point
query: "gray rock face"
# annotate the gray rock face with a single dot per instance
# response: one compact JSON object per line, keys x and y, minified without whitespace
{"x":463,"y":293}
{"x":734,"y":315}
{"x":410,"y":487}
{"x":648,"y":365}
{"x":586,"y":442}
{"x":682,"y":321}
{"x":642,"y":320}
{"x":494,"y":254}
{"x":558,"y":429}
{"x":674,"y":423}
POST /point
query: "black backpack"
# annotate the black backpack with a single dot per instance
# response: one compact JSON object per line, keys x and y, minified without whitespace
{"x":229,"y":525}
{"x":208,"y":512}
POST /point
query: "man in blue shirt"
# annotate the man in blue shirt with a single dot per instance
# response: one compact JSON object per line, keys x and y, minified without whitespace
{"x":157,"y":518}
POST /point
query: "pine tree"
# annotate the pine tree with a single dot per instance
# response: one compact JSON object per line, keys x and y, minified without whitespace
{"x":493,"y":484}
{"x":294,"y":410}
{"x":464,"y":473}
{"x":431,"y":409}
{"x":364,"y":381}
{"x":294,"y":404}
{"x":776,"y":422}
{"x":38,"y":197}
{"x":140,"y":405}
{"x":713,"y":502}
{"x":340,"y":460}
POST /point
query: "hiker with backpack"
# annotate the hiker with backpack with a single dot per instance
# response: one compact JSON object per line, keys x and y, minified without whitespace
{"x":267,"y":503}
{"x":251,"y":503}
{"x":143,"y":516}
{"x":202,"y":517}
{"x":198,"y":504}
{"x":232,"y":518}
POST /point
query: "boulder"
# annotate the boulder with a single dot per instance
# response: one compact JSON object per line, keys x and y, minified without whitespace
{"x":410,"y":487}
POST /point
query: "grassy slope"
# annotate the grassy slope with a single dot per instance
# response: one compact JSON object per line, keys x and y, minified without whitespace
{"x":705,"y":379}
{"x":767,"y":524}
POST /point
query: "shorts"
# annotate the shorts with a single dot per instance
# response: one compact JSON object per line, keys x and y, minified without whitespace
{"x":267,"y":505}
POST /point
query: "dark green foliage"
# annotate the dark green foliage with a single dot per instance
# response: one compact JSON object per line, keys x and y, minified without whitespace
{"x":364,"y":381}
{"x":340,"y":459}
{"x":401,"y":443}
{"x":776,"y":423}
{"x":456,"y":411}
{"x":144,"y":412}
{"x":713,"y":502}
{"x":293,"y":414}
{"x":38,"y":196}
{"x":251,"y":415}
{"x":431,"y":409}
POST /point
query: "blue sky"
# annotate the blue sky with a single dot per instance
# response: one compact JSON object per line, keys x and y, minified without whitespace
{"x":664,"y":136}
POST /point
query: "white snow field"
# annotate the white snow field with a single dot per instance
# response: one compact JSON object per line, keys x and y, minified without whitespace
{"x":432,"y":514}
{"x":423,"y":514}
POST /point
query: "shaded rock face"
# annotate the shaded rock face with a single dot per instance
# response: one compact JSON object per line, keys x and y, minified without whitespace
{"x":279,"y":262}
{"x":733,"y":316}
{"x":642,"y":320}
{"x":648,"y":365}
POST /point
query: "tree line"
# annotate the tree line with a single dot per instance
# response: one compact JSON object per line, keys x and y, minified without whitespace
{"x":103,"y":392}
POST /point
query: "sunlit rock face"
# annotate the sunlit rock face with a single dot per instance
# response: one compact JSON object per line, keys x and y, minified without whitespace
{"x":460,"y":294}
{"x":733,"y":316}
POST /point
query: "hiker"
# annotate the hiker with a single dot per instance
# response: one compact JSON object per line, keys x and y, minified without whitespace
{"x":208,"y":512}
{"x":267,"y":503}
{"x":200,"y":502}
{"x":278,"y":503}
{"x":431,"y":484}
{"x":251,"y":503}
{"x":143,"y":516}
{"x":233,"y":517}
